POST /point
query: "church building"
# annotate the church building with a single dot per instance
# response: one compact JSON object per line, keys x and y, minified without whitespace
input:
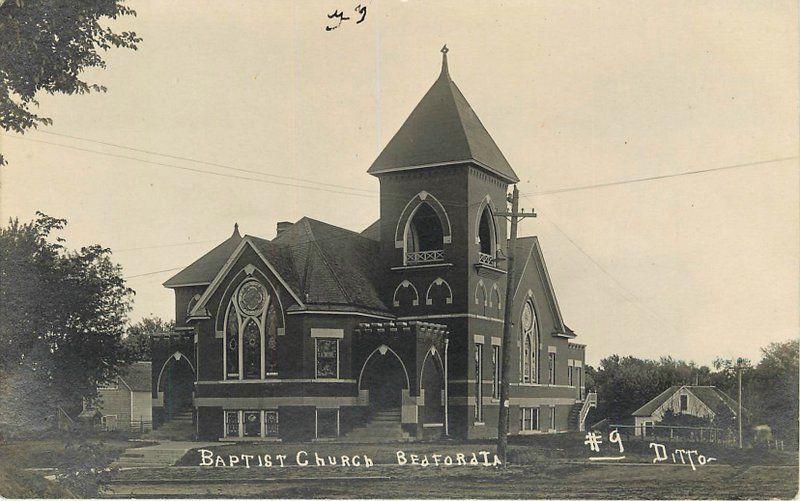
{"x":391,"y":333}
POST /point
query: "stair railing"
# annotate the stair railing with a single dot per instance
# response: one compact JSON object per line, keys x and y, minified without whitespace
{"x":588,"y":403}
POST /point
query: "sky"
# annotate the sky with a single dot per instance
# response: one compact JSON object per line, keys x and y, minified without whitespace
{"x":574,"y":93}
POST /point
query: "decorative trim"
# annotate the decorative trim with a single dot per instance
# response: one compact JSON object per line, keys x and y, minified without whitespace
{"x":478,"y":338}
{"x":407,"y":214}
{"x":275,"y":380}
{"x":383,"y":349}
{"x":451,"y":315}
{"x":327,"y":333}
{"x":453,"y":162}
{"x":438,"y":281}
{"x":418,"y":266}
{"x":265,"y":402}
{"x":339,"y":312}
{"x":496,"y":341}
{"x":405,"y":284}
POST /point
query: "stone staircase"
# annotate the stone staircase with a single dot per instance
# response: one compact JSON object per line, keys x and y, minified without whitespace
{"x":180,"y":427}
{"x":156,"y":456}
{"x":383,"y":427}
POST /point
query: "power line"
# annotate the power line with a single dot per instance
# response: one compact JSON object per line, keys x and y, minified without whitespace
{"x":203,"y":162}
{"x":152,"y":273}
{"x":164,"y":245}
{"x":663,"y":176}
{"x":190,"y":169}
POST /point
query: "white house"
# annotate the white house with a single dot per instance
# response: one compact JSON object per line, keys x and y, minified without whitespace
{"x":699,"y":401}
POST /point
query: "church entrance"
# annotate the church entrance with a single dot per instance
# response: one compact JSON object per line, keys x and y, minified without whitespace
{"x":384,"y":376}
{"x":177,"y":384}
{"x":432,"y":383}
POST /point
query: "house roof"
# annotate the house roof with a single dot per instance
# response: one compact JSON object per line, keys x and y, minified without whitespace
{"x":443,"y":128}
{"x":711,"y":396}
{"x":137,"y":376}
{"x":203,"y":271}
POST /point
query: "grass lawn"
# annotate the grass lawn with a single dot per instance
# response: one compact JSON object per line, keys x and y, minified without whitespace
{"x":548,"y":480}
{"x":65,"y":451}
{"x":17,"y":483}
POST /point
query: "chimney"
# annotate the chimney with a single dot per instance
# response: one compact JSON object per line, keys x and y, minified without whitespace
{"x":283,"y":226}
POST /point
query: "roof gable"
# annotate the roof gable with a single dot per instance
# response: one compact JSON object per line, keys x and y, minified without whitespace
{"x":534,"y":259}
{"x":442,"y":128}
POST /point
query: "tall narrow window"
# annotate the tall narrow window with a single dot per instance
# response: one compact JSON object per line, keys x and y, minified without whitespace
{"x":478,"y":383}
{"x":252,"y":423}
{"x":232,"y":344}
{"x":251,"y":333}
{"x":529,"y":344}
{"x":252,"y":350}
{"x":231,"y":423}
{"x":270,"y":423}
{"x":495,"y":372}
{"x":569,"y":376}
{"x":529,"y":419}
{"x":553,"y":418}
{"x":486,"y":236}
{"x":684,"y":403}
{"x":327,"y":358}
{"x":552,"y":367}
{"x":271,"y":350}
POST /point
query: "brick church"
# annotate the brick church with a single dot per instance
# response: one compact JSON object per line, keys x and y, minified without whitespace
{"x":391,"y":333}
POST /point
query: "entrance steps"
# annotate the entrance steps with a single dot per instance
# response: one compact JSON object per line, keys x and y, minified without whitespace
{"x":383,"y":427}
{"x":179,"y":427}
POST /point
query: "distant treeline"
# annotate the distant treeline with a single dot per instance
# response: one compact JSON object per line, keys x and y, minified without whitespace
{"x":769,"y":387}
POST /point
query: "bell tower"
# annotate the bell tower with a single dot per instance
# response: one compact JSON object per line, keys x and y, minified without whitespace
{"x":442,"y":178}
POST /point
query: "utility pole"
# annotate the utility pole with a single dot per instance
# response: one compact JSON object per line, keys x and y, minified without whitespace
{"x":739,"y":417}
{"x":502,"y":424}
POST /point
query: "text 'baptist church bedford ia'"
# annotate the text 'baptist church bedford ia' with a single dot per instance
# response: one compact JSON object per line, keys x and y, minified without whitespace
{"x":391,"y":333}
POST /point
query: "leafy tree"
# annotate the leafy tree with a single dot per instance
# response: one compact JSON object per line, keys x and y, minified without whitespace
{"x":772,"y":389}
{"x":138,"y":338}
{"x":46,"y":45}
{"x":62,"y":316}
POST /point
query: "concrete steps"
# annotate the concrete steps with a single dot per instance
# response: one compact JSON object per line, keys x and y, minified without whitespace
{"x":383,"y":427}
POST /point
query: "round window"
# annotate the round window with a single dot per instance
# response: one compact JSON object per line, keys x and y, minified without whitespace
{"x":252,"y":298}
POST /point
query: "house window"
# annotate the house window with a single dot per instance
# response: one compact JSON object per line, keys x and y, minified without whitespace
{"x":486,"y":234}
{"x":270,"y":423}
{"x":109,"y":422}
{"x":478,"y":383}
{"x":552,"y":367}
{"x":528,"y":343}
{"x":579,"y":372}
{"x":251,"y":329}
{"x":424,"y":238}
{"x":495,"y":372}
{"x":327,"y":358}
{"x":251,"y":423}
{"x":553,"y":418}
{"x":529,"y":419}
{"x":684,"y":403}
{"x":327,"y":423}
{"x":231,"y":423}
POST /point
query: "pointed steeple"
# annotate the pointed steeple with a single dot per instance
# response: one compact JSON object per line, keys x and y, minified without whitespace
{"x":442,"y":129}
{"x":445,"y":72}
{"x":236,"y":230}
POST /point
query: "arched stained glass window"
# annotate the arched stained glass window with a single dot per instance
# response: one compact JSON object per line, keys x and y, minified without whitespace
{"x":251,"y":333}
{"x":271,"y":349}
{"x":232,"y":344}
{"x":252,"y":350}
{"x":529,"y":344}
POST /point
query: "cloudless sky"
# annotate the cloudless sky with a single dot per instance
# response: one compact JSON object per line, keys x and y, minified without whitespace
{"x":574,"y":93}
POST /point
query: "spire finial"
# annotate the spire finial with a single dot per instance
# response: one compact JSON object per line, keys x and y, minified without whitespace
{"x":444,"y":52}
{"x":235,"y":228}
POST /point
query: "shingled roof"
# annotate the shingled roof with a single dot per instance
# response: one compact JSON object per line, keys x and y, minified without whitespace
{"x":443,"y":128}
{"x":711,"y":396}
{"x":332,"y":266}
{"x":137,"y":376}
{"x":203,"y":271}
